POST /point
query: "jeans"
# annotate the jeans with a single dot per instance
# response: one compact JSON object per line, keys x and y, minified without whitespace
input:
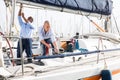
{"x":44,"y":47}
{"x":26,"y":45}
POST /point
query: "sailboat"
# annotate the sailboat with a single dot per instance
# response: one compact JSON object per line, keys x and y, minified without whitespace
{"x":97,"y":58}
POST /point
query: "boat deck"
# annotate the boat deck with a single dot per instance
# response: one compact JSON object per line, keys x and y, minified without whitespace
{"x":59,"y":68}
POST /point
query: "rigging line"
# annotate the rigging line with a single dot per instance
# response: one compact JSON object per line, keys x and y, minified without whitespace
{"x":100,"y":42}
{"x":116,"y":24}
{"x":65,"y":2}
{"x":98,"y":27}
{"x":12,"y":16}
{"x":107,"y":5}
{"x":61,"y":5}
{"x":94,"y":4}
{"x":78,"y":7}
{"x":60,"y":2}
{"x":7,"y":30}
{"x":1,"y":19}
{"x":14,"y":23}
{"x":92,"y":8}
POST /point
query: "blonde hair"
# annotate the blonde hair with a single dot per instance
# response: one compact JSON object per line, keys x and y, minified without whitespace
{"x":47,"y":22}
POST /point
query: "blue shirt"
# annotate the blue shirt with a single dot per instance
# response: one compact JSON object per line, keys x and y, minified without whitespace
{"x":26,"y":29}
{"x":50,"y":34}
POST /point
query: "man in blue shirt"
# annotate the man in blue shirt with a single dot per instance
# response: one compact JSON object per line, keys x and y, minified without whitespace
{"x":47,"y":38}
{"x":25,"y":34}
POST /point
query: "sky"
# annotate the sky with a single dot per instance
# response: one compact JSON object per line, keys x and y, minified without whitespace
{"x":63,"y":23}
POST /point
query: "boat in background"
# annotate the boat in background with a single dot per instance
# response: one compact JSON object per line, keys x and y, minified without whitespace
{"x":96,"y":58}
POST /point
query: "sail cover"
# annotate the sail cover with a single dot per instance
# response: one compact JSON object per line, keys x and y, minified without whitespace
{"x":103,"y":7}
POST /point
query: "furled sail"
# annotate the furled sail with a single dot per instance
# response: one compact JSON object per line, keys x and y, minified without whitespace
{"x":103,"y":7}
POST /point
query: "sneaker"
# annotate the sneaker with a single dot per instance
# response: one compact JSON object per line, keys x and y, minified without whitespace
{"x":18,"y":62}
{"x":41,"y":63}
{"x":29,"y":60}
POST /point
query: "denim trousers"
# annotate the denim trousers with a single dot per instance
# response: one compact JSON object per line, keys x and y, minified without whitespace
{"x":44,"y":47}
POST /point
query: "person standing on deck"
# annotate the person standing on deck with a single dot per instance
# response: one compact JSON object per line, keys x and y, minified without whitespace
{"x":47,"y":37}
{"x":25,"y":34}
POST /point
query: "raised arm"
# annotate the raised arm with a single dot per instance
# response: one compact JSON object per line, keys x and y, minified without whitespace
{"x":20,"y":10}
{"x":25,"y":19}
{"x":20,"y":13}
